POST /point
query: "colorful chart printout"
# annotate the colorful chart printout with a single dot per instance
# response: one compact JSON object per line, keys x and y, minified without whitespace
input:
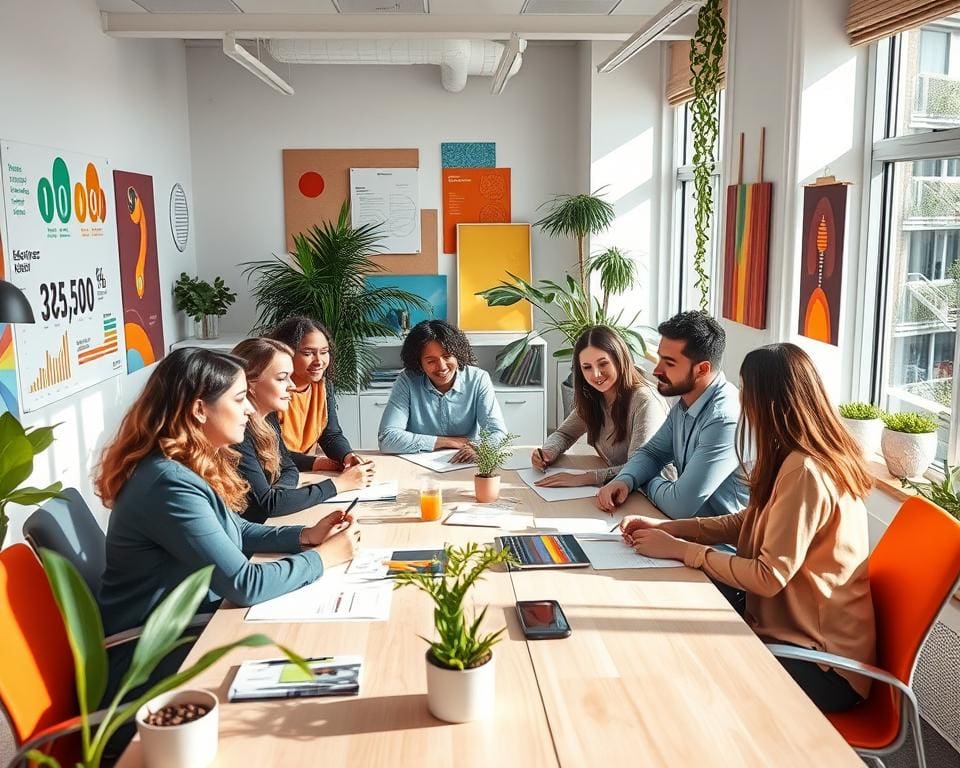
{"x":139,"y":272}
{"x":8,"y":368}
{"x":62,"y":253}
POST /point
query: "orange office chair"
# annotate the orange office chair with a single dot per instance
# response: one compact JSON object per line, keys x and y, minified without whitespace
{"x":914,"y":570}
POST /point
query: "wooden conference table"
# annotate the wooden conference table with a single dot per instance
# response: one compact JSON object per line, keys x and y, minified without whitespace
{"x":659,"y":670}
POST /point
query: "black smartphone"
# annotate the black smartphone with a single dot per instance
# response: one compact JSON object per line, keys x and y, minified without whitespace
{"x":542,"y":619}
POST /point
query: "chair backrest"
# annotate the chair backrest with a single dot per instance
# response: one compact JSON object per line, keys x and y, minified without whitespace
{"x":914,"y":570}
{"x":37,"y":684}
{"x":68,"y":527}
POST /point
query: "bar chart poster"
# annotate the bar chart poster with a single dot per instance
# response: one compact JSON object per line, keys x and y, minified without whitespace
{"x":61,"y":251}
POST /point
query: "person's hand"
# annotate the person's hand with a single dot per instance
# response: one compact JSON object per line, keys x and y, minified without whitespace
{"x":612,"y":495}
{"x":541,"y":459}
{"x":357,"y":476}
{"x":327,"y":526}
{"x":323,"y":464}
{"x":465,"y":455}
{"x":653,"y":542}
{"x":451,"y":441}
{"x":351,"y":460}
{"x":563,"y":480}
{"x":632,"y":523}
{"x":340,"y":547}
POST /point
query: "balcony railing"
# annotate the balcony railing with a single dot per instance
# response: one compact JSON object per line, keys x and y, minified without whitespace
{"x":937,"y":103}
{"x":926,"y":301}
{"x":934,"y":201}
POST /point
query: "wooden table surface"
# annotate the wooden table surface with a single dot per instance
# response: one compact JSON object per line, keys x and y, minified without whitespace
{"x":659,"y":669}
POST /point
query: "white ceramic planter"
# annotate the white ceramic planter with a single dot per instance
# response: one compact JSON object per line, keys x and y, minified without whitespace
{"x":908,"y":455}
{"x":191,"y":745}
{"x":867,"y":432}
{"x":459,"y":697}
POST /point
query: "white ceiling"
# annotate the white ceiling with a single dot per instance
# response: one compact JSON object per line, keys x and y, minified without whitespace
{"x":437,"y":7}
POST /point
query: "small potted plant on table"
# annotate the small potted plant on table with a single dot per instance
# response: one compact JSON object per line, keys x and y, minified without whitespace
{"x":203,"y":302}
{"x":864,"y":422}
{"x":909,"y":443}
{"x":492,"y":452}
{"x":460,"y":671}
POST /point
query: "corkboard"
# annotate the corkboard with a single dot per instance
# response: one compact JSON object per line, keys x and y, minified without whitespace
{"x":316,"y":182}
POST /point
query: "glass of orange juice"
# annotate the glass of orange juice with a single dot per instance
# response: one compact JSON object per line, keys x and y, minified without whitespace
{"x":431,"y":500}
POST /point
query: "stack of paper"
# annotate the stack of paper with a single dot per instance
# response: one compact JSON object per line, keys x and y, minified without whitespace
{"x":281,"y":679}
{"x":330,"y":598}
{"x":385,"y":491}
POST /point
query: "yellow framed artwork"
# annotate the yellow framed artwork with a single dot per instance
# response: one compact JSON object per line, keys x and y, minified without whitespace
{"x":485,"y":254}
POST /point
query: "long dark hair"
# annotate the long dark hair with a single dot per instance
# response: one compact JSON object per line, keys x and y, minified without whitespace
{"x":162,"y":418}
{"x":292,"y":330}
{"x":786,"y":409}
{"x":452,"y":339}
{"x":588,"y":402}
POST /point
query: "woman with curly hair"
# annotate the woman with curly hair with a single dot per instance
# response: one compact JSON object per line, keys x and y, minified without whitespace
{"x":266,"y":463}
{"x":170,"y":478}
{"x":441,"y":399}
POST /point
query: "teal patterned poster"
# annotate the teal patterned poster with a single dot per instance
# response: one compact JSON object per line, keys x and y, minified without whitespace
{"x":468,"y":154}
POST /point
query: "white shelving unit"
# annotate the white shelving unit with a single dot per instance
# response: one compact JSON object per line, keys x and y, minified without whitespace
{"x":524,"y":408}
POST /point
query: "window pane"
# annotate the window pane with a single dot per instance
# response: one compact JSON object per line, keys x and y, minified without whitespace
{"x":689,"y":293}
{"x":924,"y":294}
{"x":928,"y":85}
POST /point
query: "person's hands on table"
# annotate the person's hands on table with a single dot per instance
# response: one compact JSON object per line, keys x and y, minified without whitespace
{"x":612,"y":495}
{"x":654,"y":542}
{"x":563,"y":480}
{"x":541,"y":459}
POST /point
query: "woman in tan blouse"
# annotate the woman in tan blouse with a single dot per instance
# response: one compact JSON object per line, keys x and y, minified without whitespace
{"x":801,"y":543}
{"x":613,"y":405}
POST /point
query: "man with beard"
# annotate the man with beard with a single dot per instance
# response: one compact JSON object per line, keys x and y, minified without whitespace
{"x":699,"y":435}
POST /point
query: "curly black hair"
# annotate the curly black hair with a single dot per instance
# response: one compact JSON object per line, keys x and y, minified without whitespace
{"x":451,"y":338}
{"x":292,"y":330}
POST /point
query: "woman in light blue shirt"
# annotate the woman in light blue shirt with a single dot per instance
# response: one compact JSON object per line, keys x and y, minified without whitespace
{"x":441,"y":399}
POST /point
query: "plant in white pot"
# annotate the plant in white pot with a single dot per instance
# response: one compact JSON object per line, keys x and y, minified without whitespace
{"x":492,"y":453}
{"x":864,"y":421}
{"x":460,"y":667}
{"x":909,"y":443}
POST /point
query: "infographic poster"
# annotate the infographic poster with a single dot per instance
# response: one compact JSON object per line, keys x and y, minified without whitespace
{"x":8,"y":370}
{"x":62,"y":253}
{"x":139,"y":272}
{"x":473,"y":196}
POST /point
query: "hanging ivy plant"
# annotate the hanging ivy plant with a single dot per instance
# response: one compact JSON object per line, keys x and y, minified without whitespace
{"x":706,"y":51}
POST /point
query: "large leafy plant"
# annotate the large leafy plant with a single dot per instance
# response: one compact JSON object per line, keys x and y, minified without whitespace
{"x":161,"y":634}
{"x":578,"y":216}
{"x":460,"y":644}
{"x":197,"y":297}
{"x":17,"y":450}
{"x":324,"y":278}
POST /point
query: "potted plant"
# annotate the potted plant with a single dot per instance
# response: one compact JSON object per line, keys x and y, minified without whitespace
{"x":909,"y":443}
{"x":162,"y":633}
{"x":203,"y":302}
{"x":460,"y":666}
{"x":19,"y":446}
{"x":492,"y":452}
{"x":864,"y":422}
{"x":324,"y":278}
{"x":945,"y":494}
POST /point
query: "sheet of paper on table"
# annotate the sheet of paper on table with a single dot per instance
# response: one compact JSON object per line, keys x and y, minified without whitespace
{"x":531,"y":475}
{"x":332,"y":597}
{"x":385,"y":491}
{"x":437,"y":461}
{"x":607,"y":554}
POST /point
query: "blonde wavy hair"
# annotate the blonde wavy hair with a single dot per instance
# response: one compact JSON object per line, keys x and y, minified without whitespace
{"x":257,"y":354}
{"x":161,"y":419}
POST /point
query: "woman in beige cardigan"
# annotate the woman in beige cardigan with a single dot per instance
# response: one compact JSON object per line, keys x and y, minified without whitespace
{"x":802,"y":547}
{"x":613,"y":405}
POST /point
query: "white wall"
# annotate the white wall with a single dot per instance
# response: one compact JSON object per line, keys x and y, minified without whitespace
{"x":67,"y":85}
{"x":238,"y":128}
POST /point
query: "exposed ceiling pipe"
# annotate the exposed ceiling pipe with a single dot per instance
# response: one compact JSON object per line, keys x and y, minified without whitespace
{"x":457,"y":59}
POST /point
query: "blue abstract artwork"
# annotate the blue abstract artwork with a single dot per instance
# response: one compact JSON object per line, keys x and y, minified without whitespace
{"x":468,"y":154}
{"x":430,"y":288}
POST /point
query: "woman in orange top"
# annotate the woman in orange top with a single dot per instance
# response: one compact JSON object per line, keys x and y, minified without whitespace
{"x":802,"y":546}
{"x":312,"y":415}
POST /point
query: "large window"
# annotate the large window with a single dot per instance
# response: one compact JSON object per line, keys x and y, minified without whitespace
{"x":685,"y":240}
{"x":917,"y":165}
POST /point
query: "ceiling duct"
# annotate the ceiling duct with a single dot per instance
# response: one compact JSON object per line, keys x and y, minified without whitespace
{"x":457,"y":59}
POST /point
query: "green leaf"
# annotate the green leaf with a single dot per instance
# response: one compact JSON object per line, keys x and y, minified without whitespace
{"x":30,"y":495}
{"x":16,"y":463}
{"x":36,"y":756}
{"x":81,"y":617}
{"x":41,"y":437}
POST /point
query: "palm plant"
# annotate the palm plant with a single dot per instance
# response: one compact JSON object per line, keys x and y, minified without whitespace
{"x":459,"y":644}
{"x":579,"y":216}
{"x":324,"y":278}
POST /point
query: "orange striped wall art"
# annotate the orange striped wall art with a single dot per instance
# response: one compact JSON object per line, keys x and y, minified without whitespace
{"x":747,"y":253}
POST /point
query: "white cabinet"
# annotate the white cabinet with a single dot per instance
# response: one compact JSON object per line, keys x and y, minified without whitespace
{"x":348,"y":411}
{"x":371,"y":409}
{"x":524,"y":412}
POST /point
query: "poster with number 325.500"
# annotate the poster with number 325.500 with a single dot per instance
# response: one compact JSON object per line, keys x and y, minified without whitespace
{"x":61,"y":251}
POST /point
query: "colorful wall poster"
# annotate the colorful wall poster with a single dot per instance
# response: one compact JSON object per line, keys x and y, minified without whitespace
{"x":473,"y":196}
{"x":389,"y":198}
{"x":63,"y":256}
{"x":8,"y":368}
{"x":468,"y":154}
{"x":139,"y":271}
{"x":821,"y":265}
{"x":486,"y":253}
{"x":747,"y":253}
{"x":430,"y":288}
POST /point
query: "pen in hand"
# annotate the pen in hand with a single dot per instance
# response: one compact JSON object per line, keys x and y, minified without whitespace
{"x":543,"y":461}
{"x":345,"y":512}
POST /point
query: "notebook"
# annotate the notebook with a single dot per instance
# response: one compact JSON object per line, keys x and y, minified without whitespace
{"x":387,"y":563}
{"x":544,"y":551}
{"x":281,"y":679}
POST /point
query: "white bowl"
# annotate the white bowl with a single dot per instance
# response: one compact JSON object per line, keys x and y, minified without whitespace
{"x":189,"y":745}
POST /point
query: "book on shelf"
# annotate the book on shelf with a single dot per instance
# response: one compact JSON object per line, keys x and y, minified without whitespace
{"x":525,"y":370}
{"x":281,"y":679}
